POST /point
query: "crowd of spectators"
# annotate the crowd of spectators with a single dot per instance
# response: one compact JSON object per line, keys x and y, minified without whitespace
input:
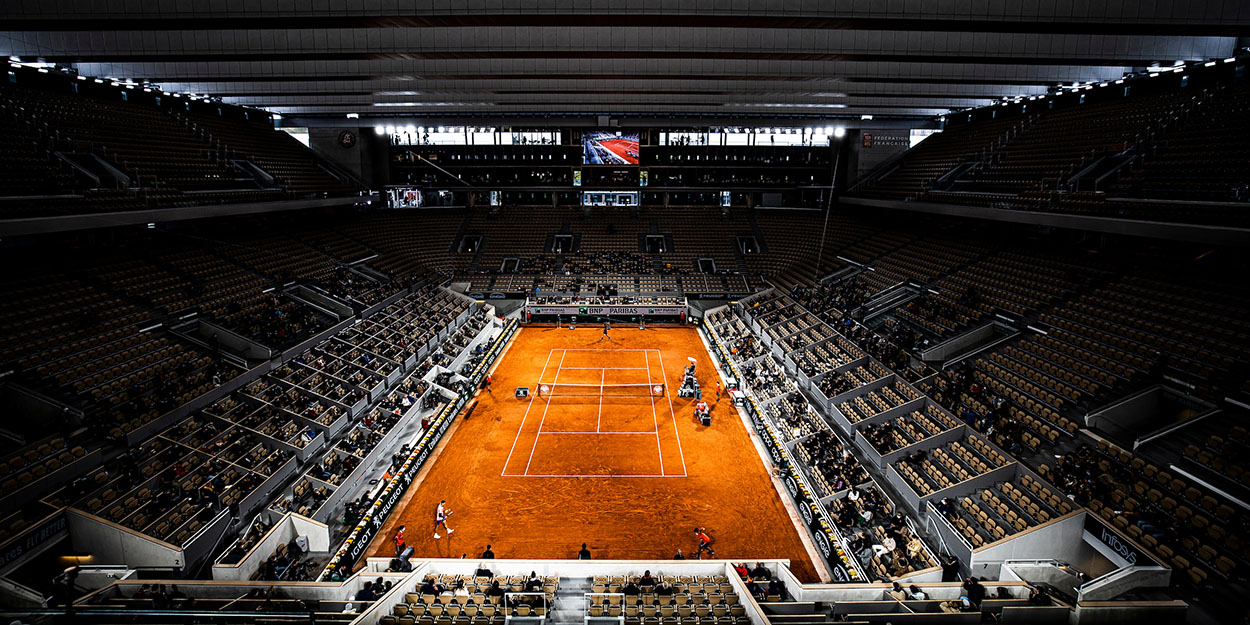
{"x":847,"y":294}
{"x":248,"y":539}
{"x":1085,"y":476}
{"x":350,"y":286}
{"x":134,"y":400}
{"x":875,"y":531}
{"x":881,"y":437}
{"x":835,"y":303}
{"x":276,"y":323}
{"x":165,"y":597}
{"x":373,"y":590}
{"x":289,"y":563}
{"x":997,"y":421}
{"x":833,"y":385}
{"x":613,"y":262}
{"x":761,"y":582}
{"x":833,"y":460}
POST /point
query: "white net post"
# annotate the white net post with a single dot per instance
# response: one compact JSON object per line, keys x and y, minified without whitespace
{"x":642,"y":390}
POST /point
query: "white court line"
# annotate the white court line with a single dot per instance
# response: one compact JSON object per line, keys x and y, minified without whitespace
{"x":608,"y":368}
{"x":650,"y":349}
{"x":527,"y":414}
{"x":655,"y":419}
{"x":672,"y":412}
{"x":574,"y":475}
{"x":599,"y":417}
{"x":659,"y":449}
{"x":544,"y":419}
{"x":599,"y":433}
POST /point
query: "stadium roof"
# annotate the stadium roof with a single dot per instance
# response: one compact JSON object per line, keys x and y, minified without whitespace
{"x":684,"y":57}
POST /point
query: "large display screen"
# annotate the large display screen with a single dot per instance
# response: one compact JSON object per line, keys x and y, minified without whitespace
{"x":401,"y":197}
{"x":609,"y":148}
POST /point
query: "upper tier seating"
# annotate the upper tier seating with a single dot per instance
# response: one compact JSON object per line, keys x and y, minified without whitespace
{"x":168,"y":162}
{"x":1206,"y":156}
{"x":276,"y":152}
{"x":1185,"y":151}
{"x":1058,"y":144}
{"x":939,"y":153}
{"x":1006,"y":509}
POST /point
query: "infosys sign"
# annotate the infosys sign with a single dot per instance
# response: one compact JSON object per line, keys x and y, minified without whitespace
{"x":1097,"y":531}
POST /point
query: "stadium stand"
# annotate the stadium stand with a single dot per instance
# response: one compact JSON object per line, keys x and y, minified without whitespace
{"x":277,"y":153}
{"x":1100,"y":159}
{"x":170,"y":485}
{"x":836,"y":474}
{"x":1009,"y":508}
{"x":942,"y":373}
{"x":1179,"y":166}
{"x":89,"y":152}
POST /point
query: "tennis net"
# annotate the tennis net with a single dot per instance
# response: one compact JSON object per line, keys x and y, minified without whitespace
{"x":550,"y":391}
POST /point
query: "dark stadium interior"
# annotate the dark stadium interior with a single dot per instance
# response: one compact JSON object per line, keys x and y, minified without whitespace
{"x":281,"y":277}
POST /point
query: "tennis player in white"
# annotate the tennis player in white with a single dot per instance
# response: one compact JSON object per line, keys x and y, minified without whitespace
{"x":440,"y":518}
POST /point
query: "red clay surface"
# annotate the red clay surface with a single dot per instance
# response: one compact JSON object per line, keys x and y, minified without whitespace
{"x":625,"y":149}
{"x":629,"y":473}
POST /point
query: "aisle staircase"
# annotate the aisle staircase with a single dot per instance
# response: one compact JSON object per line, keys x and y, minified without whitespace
{"x":569,"y":607}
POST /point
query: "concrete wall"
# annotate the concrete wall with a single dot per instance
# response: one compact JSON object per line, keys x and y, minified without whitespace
{"x":368,"y":159}
{"x":570,"y":568}
{"x":869,"y":148}
{"x":949,"y":348}
{"x":1059,"y":540}
{"x":1199,"y":233}
{"x":1153,"y":612}
{"x":951,"y":540}
{"x":282,"y":532}
{"x":939,"y":591}
{"x":385,"y":604}
{"x":1123,"y":580}
{"x":67,"y":223}
{"x":865,"y":598}
{"x":111,"y":543}
{"x":207,"y":589}
{"x":325,"y":142}
{"x":318,"y":533}
{"x":1127,"y":414}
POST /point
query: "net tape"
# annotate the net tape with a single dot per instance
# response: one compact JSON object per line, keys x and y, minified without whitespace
{"x":600,"y":390}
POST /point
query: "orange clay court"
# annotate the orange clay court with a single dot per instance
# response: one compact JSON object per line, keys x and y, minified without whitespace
{"x":626,"y":470}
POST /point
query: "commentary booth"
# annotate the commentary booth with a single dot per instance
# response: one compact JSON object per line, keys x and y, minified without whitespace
{"x":659,"y":309}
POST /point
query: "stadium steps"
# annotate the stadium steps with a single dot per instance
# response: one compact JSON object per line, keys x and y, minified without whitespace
{"x":483,"y":243}
{"x":759,"y":234}
{"x":739,"y":256}
{"x":464,"y":229}
{"x":569,"y":606}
